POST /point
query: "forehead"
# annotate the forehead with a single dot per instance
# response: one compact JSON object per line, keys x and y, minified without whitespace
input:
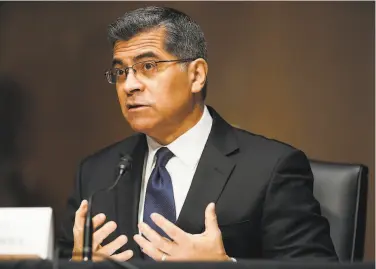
{"x":144,"y":45}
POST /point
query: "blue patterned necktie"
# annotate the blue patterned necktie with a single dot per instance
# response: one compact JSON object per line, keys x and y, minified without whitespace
{"x":159,"y":196}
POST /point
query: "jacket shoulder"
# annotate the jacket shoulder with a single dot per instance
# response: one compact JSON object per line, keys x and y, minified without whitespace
{"x":267,"y":149}
{"x":117,"y":149}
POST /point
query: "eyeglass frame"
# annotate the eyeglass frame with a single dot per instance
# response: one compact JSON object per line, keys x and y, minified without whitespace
{"x":126,"y":69}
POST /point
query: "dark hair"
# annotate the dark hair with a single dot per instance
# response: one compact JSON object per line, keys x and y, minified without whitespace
{"x":184,"y":37}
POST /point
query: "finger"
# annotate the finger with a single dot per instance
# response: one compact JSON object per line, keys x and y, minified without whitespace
{"x":124,"y":256}
{"x":157,"y":240}
{"x":102,"y":233}
{"x":78,"y":231}
{"x":98,"y":220}
{"x":211,"y":223}
{"x":78,"y":227}
{"x":79,"y":219}
{"x":167,"y":239}
{"x":98,"y":257}
{"x":147,"y":247}
{"x":110,"y":248}
{"x":173,"y":231}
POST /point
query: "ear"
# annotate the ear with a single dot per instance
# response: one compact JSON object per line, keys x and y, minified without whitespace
{"x":198,"y":70}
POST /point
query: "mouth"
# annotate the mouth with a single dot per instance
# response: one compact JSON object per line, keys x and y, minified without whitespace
{"x":135,"y":106}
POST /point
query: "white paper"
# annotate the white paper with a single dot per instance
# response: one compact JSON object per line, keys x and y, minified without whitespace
{"x":27,"y":231}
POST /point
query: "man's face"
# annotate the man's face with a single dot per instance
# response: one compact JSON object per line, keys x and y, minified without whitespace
{"x":159,"y":103}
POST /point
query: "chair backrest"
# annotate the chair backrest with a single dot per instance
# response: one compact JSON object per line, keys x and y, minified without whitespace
{"x":341,"y":190}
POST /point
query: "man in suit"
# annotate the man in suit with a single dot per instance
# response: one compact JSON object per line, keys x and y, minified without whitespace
{"x":198,"y":189}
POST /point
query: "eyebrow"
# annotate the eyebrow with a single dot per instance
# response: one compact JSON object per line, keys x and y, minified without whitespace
{"x":148,"y":54}
{"x":116,"y":62}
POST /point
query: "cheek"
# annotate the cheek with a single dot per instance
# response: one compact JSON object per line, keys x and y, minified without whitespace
{"x":121,"y":98}
{"x":172,"y":93}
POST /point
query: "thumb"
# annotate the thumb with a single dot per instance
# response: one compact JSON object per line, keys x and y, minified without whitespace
{"x":211,"y":223}
{"x":81,"y":214}
{"x":79,"y":222}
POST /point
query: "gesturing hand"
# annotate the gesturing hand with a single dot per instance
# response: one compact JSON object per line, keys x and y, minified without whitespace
{"x":207,"y":246}
{"x":98,"y":237}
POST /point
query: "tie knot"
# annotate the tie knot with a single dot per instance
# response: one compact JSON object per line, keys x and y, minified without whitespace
{"x":163,"y":156}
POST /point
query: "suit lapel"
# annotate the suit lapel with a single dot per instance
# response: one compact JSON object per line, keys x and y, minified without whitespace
{"x":128,"y":196}
{"x":213,"y":171}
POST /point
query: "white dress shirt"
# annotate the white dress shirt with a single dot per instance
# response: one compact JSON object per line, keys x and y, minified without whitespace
{"x":187,"y":150}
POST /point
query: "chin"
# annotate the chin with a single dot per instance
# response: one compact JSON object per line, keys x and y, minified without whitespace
{"x":142,"y":126}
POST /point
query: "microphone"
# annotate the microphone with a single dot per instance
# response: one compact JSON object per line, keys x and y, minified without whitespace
{"x":124,"y":165}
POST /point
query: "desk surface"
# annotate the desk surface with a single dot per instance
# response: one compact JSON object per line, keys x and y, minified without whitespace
{"x":64,"y":264}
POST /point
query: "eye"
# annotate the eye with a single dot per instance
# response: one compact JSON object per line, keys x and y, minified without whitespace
{"x":119,"y":72}
{"x":149,"y":66}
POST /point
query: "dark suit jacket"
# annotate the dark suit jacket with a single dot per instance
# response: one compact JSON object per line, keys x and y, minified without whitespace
{"x":263,"y":190}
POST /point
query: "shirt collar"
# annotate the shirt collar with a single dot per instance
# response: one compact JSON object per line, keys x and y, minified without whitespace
{"x":189,"y":146}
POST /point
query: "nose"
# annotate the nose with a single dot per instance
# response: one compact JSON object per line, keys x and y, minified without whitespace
{"x":132,"y":84}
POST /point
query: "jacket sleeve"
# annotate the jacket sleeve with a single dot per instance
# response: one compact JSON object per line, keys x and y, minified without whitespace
{"x":292,"y":224}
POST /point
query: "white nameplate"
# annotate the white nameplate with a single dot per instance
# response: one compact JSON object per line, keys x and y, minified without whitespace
{"x":26,"y":232}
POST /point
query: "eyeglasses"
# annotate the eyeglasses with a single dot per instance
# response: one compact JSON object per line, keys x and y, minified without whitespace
{"x":146,"y":69}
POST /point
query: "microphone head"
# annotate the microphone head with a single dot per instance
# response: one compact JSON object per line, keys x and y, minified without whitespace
{"x":125,"y":162}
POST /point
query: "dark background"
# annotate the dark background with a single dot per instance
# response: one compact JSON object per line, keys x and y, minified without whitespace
{"x":300,"y":72}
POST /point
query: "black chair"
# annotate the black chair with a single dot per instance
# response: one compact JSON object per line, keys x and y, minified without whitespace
{"x":341,"y":190}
